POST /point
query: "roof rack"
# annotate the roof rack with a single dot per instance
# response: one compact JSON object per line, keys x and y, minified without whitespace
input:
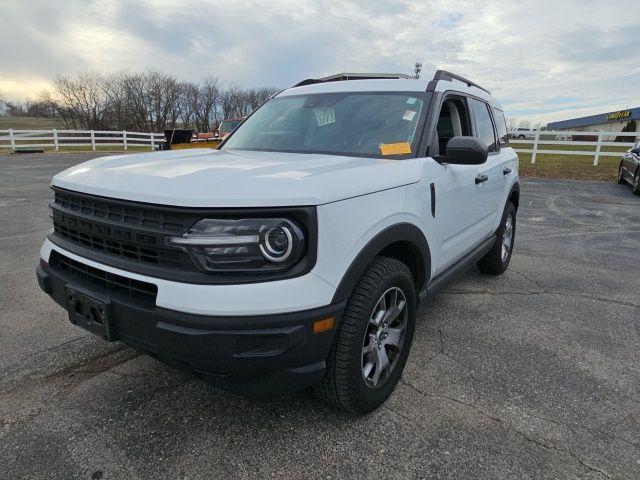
{"x":351,"y":76}
{"x":448,"y":76}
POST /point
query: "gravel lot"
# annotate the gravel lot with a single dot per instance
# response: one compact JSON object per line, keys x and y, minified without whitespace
{"x":535,"y":374}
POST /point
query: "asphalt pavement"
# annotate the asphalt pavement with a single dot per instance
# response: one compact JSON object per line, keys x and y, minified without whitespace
{"x":534,"y":374}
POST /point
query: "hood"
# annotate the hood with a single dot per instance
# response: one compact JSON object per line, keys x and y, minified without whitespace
{"x":218,"y":178}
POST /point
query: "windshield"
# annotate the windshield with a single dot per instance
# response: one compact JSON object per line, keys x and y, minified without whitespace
{"x":378,"y":125}
{"x":229,"y":125}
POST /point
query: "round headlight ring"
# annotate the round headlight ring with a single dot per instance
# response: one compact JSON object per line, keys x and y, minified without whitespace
{"x":271,"y":253}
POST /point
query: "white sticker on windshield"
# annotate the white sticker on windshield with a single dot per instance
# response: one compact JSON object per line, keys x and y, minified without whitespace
{"x":408,"y":115}
{"x":411,"y":100}
{"x":325,"y":116}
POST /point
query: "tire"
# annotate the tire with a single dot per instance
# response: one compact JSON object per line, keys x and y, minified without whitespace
{"x":350,"y":378}
{"x":521,"y":137}
{"x":621,"y":180}
{"x":636,"y":182}
{"x":495,"y":261}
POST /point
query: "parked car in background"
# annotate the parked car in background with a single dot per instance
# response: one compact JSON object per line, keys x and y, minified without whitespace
{"x":564,"y":137}
{"x":629,"y":169}
{"x":524,"y":133}
{"x":203,"y":137}
{"x":227,"y":126}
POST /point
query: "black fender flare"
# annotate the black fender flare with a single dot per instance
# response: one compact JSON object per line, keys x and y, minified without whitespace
{"x":400,"y":232}
{"x":515,"y":188}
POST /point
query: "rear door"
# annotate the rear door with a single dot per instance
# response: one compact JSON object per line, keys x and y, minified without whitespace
{"x":490,"y":181}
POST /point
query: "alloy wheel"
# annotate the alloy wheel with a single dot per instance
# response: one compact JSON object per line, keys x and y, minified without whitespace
{"x":384,"y":337}
{"x":507,"y":239}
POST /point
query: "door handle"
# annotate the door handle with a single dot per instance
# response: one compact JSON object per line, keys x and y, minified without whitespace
{"x":481,"y":179}
{"x":506,"y":171}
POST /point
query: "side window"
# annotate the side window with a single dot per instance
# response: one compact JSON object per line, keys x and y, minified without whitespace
{"x":484,"y":126}
{"x":453,"y":121}
{"x":501,"y":127}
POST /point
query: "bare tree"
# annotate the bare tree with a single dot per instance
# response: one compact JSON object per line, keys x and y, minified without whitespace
{"x":232,"y":102}
{"x":203,"y":102}
{"x":149,"y":101}
{"x":81,"y":99}
{"x":257,"y":96}
{"x":512,"y":123}
{"x":43,"y":106}
{"x":524,"y":124}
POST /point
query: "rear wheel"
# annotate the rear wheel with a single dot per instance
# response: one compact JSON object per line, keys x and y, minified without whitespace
{"x":498,"y":258}
{"x":373,"y":341}
{"x":636,"y":182}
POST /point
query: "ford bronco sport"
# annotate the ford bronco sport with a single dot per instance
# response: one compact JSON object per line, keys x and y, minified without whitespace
{"x":297,"y":252}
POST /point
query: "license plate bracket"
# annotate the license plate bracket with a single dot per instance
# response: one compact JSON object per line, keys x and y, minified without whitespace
{"x":90,"y":311}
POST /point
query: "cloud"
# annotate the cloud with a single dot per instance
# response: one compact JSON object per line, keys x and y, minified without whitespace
{"x":547,"y":60}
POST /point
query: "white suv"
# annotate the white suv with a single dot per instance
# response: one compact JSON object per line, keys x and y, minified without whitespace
{"x":296,"y":253}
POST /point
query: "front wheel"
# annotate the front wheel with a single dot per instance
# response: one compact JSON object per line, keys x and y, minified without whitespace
{"x":636,"y":182}
{"x":498,"y":258}
{"x":621,"y":180}
{"x":373,"y":341}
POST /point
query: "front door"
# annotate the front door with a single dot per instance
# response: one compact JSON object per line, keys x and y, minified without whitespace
{"x":460,"y":208}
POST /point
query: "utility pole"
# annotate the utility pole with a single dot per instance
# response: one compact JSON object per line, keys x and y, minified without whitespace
{"x":417,"y":69}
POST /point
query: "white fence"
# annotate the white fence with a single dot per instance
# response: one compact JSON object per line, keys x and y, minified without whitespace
{"x":560,"y":137}
{"x":53,"y":138}
{"x":16,"y":139}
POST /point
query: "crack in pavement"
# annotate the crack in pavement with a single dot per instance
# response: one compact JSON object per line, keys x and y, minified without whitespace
{"x":104,"y":363}
{"x":5,"y":424}
{"x":90,"y":368}
{"x":443,"y":352}
{"x":387,"y":407}
{"x":97,"y":365}
{"x":508,"y":427}
{"x":527,"y":294}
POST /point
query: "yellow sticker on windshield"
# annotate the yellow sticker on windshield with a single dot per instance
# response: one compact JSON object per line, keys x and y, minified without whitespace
{"x":395,"y":148}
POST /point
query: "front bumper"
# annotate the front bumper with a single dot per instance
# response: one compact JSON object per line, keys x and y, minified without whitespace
{"x":249,"y":299}
{"x":258,"y":355}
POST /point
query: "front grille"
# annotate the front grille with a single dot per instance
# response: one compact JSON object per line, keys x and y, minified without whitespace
{"x":116,"y":228}
{"x":131,"y":236}
{"x":94,"y":236}
{"x":121,"y":212}
{"x":96,"y":278}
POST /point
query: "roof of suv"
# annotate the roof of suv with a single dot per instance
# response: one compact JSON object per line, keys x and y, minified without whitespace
{"x":442,"y":82}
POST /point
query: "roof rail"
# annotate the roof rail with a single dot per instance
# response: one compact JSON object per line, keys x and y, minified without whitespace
{"x":351,"y":76}
{"x":448,"y":76}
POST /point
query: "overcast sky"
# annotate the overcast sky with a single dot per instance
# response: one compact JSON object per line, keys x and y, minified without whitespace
{"x":545,"y":60}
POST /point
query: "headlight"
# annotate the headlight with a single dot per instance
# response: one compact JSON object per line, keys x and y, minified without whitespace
{"x":244,"y":245}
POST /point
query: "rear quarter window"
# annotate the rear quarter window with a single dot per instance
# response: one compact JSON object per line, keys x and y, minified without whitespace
{"x":484,"y":126}
{"x":501,"y":127}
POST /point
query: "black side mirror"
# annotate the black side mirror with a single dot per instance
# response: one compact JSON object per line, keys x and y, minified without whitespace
{"x":466,"y":151}
{"x":636,"y":151}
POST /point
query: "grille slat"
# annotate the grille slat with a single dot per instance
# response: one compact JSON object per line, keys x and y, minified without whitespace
{"x":167,"y":221}
{"x":111,"y":228}
{"x":110,"y":282}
